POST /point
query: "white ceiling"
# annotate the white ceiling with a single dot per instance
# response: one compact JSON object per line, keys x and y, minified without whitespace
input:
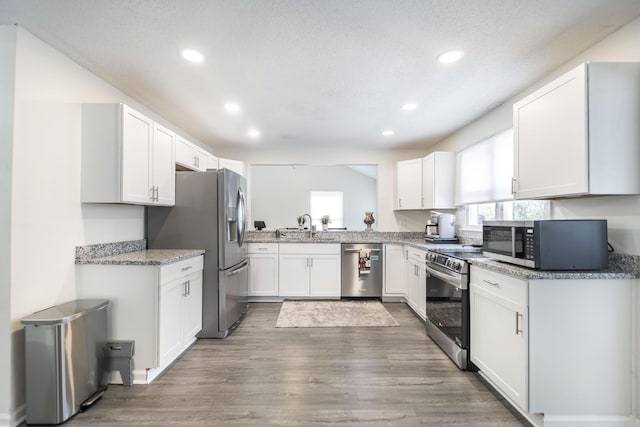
{"x":323,"y":73}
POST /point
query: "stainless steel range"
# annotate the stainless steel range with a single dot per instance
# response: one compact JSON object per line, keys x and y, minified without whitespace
{"x":448,"y":302}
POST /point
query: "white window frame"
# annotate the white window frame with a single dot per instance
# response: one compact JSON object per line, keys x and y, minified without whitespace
{"x":336,"y":220}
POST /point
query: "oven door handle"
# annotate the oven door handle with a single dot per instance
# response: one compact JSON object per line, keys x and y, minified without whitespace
{"x":453,"y":280}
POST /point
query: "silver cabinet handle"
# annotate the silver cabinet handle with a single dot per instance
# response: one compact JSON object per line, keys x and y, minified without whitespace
{"x":184,"y":289}
{"x":263,"y":249}
{"x":188,"y":287}
{"x":513,"y":185}
{"x":186,"y":268}
{"x":400,"y":203}
{"x":518,"y":315}
{"x":152,"y":194}
{"x":489,"y":282}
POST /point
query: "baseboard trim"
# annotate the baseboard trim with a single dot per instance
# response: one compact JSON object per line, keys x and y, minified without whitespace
{"x":15,"y":418}
{"x":589,"y":420}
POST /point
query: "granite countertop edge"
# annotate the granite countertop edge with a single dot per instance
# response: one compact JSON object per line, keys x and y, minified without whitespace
{"x":620,"y":266}
{"x":614,"y":272}
{"x":144,"y":257}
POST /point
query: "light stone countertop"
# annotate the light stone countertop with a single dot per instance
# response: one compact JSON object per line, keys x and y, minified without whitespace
{"x":131,"y":252}
{"x":146,"y":257}
{"x":620,"y":267}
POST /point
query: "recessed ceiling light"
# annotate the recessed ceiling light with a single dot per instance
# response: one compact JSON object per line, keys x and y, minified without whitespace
{"x":232,"y":107}
{"x":192,"y":55}
{"x":387,"y":133}
{"x":450,"y":56}
{"x":253,"y":133}
{"x":409,"y":107}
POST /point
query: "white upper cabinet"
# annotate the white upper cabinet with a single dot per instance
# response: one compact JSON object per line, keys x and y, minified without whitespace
{"x":426,"y":183}
{"x":409,"y":184}
{"x":438,"y":175}
{"x":192,"y":157}
{"x":580,"y":134}
{"x":234,"y":165}
{"x":126,"y":157}
{"x":162,"y":165}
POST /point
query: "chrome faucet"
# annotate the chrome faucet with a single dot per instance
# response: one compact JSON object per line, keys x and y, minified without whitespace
{"x":310,"y":225}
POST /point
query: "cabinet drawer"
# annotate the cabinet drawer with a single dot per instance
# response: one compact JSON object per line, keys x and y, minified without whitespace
{"x":263,"y":248}
{"x":182,"y":268}
{"x":310,"y":248}
{"x":415,"y":255}
{"x":507,"y":287}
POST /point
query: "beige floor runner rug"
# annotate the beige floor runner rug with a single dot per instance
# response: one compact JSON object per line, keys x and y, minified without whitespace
{"x":331,"y":314}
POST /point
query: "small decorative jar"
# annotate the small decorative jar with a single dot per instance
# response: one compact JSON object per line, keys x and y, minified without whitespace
{"x":368,"y":219}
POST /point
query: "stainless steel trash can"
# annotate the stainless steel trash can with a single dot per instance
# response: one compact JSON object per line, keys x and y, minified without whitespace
{"x":66,"y":360}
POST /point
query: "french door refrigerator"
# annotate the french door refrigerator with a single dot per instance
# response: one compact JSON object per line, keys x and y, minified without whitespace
{"x":210,"y":214}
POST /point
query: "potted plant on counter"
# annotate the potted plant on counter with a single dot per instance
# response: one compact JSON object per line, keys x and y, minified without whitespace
{"x":326,"y":219}
{"x":301,"y":221}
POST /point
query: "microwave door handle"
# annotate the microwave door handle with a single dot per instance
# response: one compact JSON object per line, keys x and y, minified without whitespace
{"x":513,"y":242}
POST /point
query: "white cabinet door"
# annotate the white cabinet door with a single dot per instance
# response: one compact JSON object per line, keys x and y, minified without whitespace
{"x":416,"y":283}
{"x":409,"y":184}
{"x":579,"y":134}
{"x":234,"y":165}
{"x":163,"y":166}
{"x":263,"y":275}
{"x":212,"y":162}
{"x":293,"y":275}
{"x":137,"y":137}
{"x":550,"y":134}
{"x":170,"y":331}
{"x":325,"y":276}
{"x":421,"y":293}
{"x":184,"y":153}
{"x":395,"y":282}
{"x":500,"y":331}
{"x":200,"y":159}
{"x":192,"y":312}
{"x":438,"y":178}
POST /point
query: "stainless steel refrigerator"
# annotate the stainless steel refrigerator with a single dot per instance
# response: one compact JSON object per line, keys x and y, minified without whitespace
{"x":210,"y":214}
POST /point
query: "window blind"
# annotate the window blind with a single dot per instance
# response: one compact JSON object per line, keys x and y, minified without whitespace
{"x":484,"y":170}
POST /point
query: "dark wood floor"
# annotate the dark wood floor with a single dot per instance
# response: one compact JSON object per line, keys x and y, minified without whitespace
{"x":262,"y":375}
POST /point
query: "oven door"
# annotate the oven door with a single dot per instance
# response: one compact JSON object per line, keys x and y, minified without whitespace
{"x":448,"y":303}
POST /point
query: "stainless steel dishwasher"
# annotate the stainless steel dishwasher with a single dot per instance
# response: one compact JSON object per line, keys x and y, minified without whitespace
{"x":362,"y":270}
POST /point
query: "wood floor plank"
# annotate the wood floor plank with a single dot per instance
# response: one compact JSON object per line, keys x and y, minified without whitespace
{"x":267,"y":376}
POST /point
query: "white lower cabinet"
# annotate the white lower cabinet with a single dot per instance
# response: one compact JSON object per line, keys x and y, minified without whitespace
{"x":415,"y":270}
{"x":263,"y":269}
{"x":180,"y":300}
{"x":158,"y":307}
{"x":395,"y":283}
{"x":309,"y":270}
{"x":499,"y":331}
{"x":559,"y":349}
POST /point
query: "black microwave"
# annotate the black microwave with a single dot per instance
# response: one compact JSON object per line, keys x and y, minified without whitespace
{"x":548,"y":245}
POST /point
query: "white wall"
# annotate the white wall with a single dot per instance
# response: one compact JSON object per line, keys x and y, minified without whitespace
{"x":386,"y":218}
{"x":7,"y":77}
{"x":279,"y":194}
{"x":48,"y":220}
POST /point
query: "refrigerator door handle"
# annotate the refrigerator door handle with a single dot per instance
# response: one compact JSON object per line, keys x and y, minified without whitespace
{"x":243,"y":266}
{"x":242,"y":218}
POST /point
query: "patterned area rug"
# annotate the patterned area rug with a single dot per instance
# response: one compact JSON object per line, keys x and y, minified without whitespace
{"x":331,"y":314}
